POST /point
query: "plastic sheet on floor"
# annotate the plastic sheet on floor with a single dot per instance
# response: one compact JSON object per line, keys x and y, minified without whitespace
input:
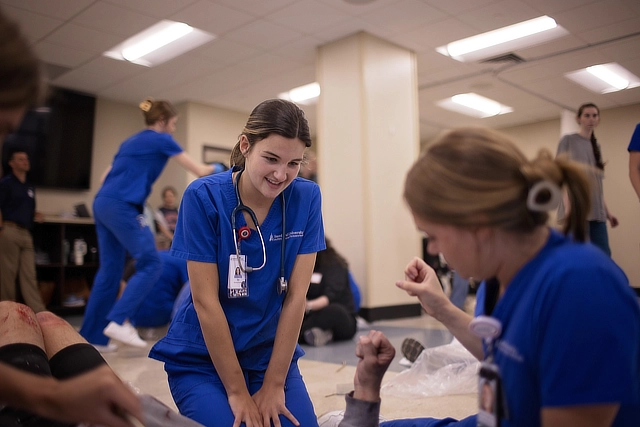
{"x":438,"y":371}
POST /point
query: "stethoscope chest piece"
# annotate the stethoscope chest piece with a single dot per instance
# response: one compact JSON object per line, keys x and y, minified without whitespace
{"x":244,"y":233}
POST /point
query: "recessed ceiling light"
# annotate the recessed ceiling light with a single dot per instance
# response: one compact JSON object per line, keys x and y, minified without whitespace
{"x":305,"y":95}
{"x":503,"y":40}
{"x":604,"y":78}
{"x":159,"y":43}
{"x":474,"y":105}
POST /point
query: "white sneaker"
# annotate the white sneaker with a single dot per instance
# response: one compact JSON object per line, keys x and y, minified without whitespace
{"x":317,"y":337}
{"x":124,"y":333}
{"x":109,"y":348}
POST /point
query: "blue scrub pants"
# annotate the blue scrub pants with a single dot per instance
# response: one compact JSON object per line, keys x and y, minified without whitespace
{"x":121,"y":228}
{"x":471,"y":421}
{"x":200,"y":395}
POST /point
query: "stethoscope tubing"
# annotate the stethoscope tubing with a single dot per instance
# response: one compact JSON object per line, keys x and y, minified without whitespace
{"x":240,"y":207}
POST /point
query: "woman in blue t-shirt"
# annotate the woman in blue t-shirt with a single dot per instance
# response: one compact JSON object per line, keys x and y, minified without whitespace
{"x":121,"y":226}
{"x":231,"y":351}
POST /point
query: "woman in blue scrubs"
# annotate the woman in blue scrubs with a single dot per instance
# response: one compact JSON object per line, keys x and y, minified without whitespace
{"x":121,"y":227}
{"x":231,"y":351}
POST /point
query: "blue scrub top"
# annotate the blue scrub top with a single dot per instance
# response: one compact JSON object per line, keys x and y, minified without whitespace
{"x":571,"y":334}
{"x":203,"y":233}
{"x":137,"y":165}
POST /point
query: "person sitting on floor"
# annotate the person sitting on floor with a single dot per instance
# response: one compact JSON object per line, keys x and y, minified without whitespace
{"x":330,"y":309}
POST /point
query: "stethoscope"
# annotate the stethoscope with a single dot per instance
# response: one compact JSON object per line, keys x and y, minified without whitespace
{"x":245,"y":232}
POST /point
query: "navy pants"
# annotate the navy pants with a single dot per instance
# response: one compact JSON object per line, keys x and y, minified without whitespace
{"x":121,"y":228}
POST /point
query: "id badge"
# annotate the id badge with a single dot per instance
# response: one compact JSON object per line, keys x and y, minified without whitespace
{"x":489,"y":395}
{"x":237,"y":283}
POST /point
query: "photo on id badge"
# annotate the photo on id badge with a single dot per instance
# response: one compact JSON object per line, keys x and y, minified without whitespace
{"x":489,"y":396}
{"x":237,"y":282}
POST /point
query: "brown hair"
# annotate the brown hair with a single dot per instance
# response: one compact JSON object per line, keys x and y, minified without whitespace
{"x":21,"y":82}
{"x":155,"y":111}
{"x":277,"y":116}
{"x":474,"y":177}
{"x":594,"y":142}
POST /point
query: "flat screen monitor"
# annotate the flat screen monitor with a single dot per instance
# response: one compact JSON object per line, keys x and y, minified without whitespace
{"x":58,"y":137}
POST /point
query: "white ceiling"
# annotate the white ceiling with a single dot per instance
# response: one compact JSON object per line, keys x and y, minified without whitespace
{"x":264,"y":47}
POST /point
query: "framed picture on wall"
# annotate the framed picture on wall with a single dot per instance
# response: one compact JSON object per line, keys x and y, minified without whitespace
{"x":212,"y":154}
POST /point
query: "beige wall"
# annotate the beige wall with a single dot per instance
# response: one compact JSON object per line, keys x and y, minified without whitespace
{"x":613,"y":133}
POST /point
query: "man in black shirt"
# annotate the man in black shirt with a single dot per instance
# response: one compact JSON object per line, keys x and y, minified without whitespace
{"x":17,"y":214}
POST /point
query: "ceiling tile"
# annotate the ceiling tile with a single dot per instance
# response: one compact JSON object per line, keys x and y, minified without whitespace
{"x":349,"y":28}
{"x":83,"y":38}
{"x":114,"y":19}
{"x":594,"y":15}
{"x":302,"y":50}
{"x":257,"y":8}
{"x":267,"y":64}
{"x":165,"y":76}
{"x":618,"y":30}
{"x":551,"y":7}
{"x":358,"y":9}
{"x":98,"y":74}
{"x":62,"y":55}
{"x":437,"y":34}
{"x":263,"y":34}
{"x":160,"y":9}
{"x":456,"y":7}
{"x":212,"y":17}
{"x":34,"y":25}
{"x":498,"y":15}
{"x":60,"y":9}
{"x":404,"y":15}
{"x":307,"y":16}
{"x":225,"y":52}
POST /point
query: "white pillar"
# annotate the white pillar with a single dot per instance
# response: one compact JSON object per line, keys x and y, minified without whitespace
{"x":368,"y":137}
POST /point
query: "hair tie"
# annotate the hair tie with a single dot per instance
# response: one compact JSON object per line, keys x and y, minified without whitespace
{"x":146,"y":105}
{"x":544,"y":196}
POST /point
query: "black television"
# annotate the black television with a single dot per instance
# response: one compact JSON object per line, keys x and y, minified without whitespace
{"x":58,"y":137}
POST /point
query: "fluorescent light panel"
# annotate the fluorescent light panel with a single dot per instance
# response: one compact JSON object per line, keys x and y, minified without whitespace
{"x":517,"y":36}
{"x":604,"y":78}
{"x":474,"y":105}
{"x":159,"y":43}
{"x":305,"y":95}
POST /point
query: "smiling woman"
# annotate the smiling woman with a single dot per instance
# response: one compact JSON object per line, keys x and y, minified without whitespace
{"x":250,"y":264}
